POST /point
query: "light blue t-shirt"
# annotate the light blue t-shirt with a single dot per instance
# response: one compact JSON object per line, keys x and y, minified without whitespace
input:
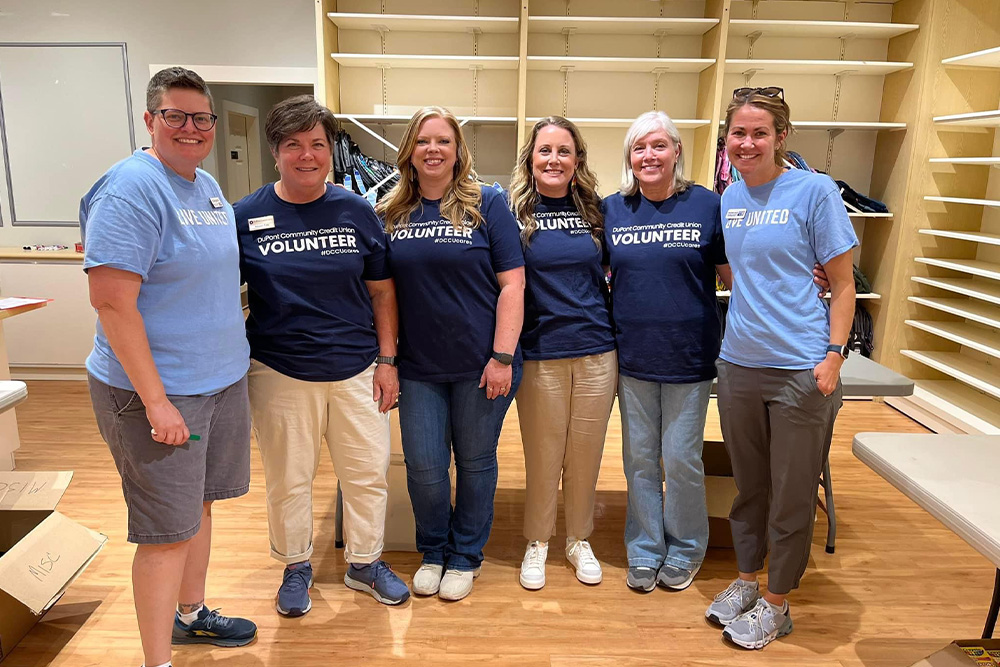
{"x":774,"y":234}
{"x":180,"y":237}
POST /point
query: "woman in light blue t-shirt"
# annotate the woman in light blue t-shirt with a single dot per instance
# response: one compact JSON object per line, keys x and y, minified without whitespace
{"x":779,"y":367}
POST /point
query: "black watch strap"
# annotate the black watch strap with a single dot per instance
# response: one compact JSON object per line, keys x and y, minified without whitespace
{"x":503,"y":358}
{"x":842,"y":350}
{"x":386,"y":360}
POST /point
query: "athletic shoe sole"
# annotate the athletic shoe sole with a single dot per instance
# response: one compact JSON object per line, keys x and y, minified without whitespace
{"x":362,"y":587}
{"x":589,"y":578}
{"x":681,"y":586}
{"x":532,"y":585}
{"x":214,"y":641}
{"x":641,"y":589}
{"x":761,"y":643}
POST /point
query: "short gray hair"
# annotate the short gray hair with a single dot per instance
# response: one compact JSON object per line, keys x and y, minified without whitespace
{"x":651,"y":121}
{"x":175,"y":77}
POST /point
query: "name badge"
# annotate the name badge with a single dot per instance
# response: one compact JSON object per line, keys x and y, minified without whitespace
{"x":736,"y":214}
{"x":258,"y":224}
{"x":216,"y":202}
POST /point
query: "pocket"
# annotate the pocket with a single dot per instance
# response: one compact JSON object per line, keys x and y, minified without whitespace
{"x":124,"y":400}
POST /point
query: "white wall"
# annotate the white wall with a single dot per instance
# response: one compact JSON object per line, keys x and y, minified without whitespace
{"x":255,"y":33}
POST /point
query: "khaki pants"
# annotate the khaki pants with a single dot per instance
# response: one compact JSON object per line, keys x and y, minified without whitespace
{"x":290,"y":418}
{"x":563,"y":406}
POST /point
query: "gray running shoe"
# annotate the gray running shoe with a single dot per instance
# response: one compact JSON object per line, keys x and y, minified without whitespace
{"x":676,"y":578}
{"x":738,"y":597}
{"x":760,"y":626}
{"x":641,"y":578}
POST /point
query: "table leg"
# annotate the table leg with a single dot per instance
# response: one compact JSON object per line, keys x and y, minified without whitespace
{"x":991,"y":617}
{"x":831,"y":513}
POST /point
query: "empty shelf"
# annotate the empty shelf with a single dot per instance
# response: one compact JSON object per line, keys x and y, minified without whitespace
{"x":976,"y":289}
{"x":984,"y":58}
{"x":970,"y":310}
{"x":379,"y":119}
{"x":972,"y":119}
{"x":975,"y":237}
{"x":962,"y":368}
{"x":834,"y":29}
{"x":423,"y":22}
{"x":425,"y":62}
{"x":990,"y":161}
{"x":973,"y":267}
{"x":868,"y":67}
{"x":594,"y":64}
{"x":852,"y":214}
{"x":962,"y":333}
{"x":682,"y":123}
{"x":964,"y":200}
{"x":957,"y":394}
{"x":614,"y":25}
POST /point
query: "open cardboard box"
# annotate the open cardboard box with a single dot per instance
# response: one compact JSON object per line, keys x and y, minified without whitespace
{"x":952,"y":655}
{"x":41,"y":551}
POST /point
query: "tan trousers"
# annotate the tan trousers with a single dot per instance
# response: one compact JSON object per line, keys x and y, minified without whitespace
{"x":290,"y":418}
{"x":563,"y":406}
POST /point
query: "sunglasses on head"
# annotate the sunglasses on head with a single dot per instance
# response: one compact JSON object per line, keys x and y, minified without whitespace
{"x":769,"y":91}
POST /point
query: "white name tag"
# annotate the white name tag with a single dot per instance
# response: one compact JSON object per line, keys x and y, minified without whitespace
{"x":216,"y":202}
{"x":257,"y":224}
{"x":736,"y":214}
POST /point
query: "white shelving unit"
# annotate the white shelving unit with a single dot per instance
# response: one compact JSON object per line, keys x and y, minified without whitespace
{"x":681,"y":123}
{"x":975,"y":237}
{"x":963,"y":200}
{"x":959,"y":367}
{"x":969,"y":335}
{"x":970,"y":310}
{"x":870,"y":216}
{"x":971,"y":266}
{"x":834,"y":29}
{"x":615,"y":64}
{"x":981,"y":161}
{"x":621,"y":25}
{"x":988,"y":58}
{"x":842,"y":67}
{"x":410,"y":61}
{"x":977,"y":289}
{"x":970,"y":119}
{"x":423,"y":22}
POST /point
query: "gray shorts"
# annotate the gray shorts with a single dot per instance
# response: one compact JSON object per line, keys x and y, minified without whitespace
{"x":165,"y":486}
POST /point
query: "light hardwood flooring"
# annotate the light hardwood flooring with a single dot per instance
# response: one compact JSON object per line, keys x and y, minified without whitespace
{"x":899,"y":587}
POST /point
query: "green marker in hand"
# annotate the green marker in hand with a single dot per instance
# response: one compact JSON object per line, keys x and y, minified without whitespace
{"x":192,"y":438}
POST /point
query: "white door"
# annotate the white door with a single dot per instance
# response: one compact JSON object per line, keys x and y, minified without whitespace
{"x":238,"y":157}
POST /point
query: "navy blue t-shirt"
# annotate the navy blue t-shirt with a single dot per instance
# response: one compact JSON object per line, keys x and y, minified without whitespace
{"x":305,"y":266}
{"x":663,"y":258}
{"x":447,"y":289}
{"x":565,"y":303}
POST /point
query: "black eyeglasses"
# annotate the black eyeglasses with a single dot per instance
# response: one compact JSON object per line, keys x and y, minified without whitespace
{"x":769,"y":91}
{"x":176,"y":119}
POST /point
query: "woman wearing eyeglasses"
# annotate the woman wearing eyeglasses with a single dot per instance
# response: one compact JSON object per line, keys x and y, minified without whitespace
{"x":779,"y":367}
{"x":322,"y":331}
{"x":664,"y":240}
{"x":168,"y":369}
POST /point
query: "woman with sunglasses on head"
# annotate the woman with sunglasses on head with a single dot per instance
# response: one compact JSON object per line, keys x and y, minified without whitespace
{"x":322,"y":329}
{"x":456,"y":257}
{"x":664,"y":239}
{"x":779,"y":368}
{"x":570,"y":366}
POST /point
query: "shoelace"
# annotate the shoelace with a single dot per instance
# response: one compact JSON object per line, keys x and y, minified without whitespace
{"x":534,"y":556}
{"x":214,"y":618}
{"x":296,"y":579}
{"x":733,"y":596}
{"x":380,"y":570}
{"x":586,"y":556}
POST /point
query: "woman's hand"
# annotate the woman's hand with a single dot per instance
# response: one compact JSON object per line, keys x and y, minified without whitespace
{"x":168,"y":424}
{"x":496,"y":378}
{"x":820,"y":279}
{"x":827,"y":373}
{"x":385,"y":386}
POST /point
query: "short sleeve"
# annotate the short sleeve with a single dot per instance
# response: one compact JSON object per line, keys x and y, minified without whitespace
{"x":370,"y":227}
{"x":502,"y":231}
{"x":830,"y":231}
{"x":718,"y":248}
{"x":120,"y":235}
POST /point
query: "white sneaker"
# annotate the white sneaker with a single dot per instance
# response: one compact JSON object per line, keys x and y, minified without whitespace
{"x":456,"y":584}
{"x":533,"y":565}
{"x":588,"y":568}
{"x":427,"y":579}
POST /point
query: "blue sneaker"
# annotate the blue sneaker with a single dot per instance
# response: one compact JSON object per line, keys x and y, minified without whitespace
{"x":293,"y":595}
{"x":378,"y":581}
{"x":211,"y":627}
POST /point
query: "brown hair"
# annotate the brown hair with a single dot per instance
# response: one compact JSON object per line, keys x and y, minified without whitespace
{"x":780,"y":115}
{"x":175,"y":77}
{"x":460,"y":203}
{"x":524,"y":193}
{"x":298,"y":114}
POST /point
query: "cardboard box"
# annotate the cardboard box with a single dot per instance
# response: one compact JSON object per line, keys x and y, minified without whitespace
{"x":953,"y":654}
{"x":41,"y":551}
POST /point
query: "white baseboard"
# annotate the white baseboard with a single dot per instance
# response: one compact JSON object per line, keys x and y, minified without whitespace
{"x":939,"y":415}
{"x":25,"y":373}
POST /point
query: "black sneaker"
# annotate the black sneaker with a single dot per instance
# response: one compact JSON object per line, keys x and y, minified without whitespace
{"x":211,"y":627}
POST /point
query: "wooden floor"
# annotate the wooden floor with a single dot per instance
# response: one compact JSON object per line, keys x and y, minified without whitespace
{"x":899,"y":587}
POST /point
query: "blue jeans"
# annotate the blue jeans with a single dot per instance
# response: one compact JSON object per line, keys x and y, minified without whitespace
{"x":436,"y":418}
{"x":664,"y":421}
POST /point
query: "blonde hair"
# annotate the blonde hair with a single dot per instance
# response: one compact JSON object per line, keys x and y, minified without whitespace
{"x":651,"y":121}
{"x":524,"y":192}
{"x":460,"y":203}
{"x":780,"y":114}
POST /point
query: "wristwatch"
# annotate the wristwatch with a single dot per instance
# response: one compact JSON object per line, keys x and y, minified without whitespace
{"x":386,"y":360}
{"x":842,"y":350}
{"x":503,"y":358}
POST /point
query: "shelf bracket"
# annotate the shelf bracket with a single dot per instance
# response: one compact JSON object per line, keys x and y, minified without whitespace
{"x":753,"y":37}
{"x":476,"y":32}
{"x":748,"y":75}
{"x":371,"y":132}
{"x":566,"y":69}
{"x":567,"y":33}
{"x":753,"y":11}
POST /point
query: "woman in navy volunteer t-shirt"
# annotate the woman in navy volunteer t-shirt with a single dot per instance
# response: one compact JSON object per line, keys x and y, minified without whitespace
{"x":570,"y":366}
{"x":322,"y":332}
{"x":664,"y":239}
{"x":456,"y":257}
{"x":779,"y":368}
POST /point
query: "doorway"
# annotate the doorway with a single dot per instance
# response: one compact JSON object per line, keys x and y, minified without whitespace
{"x":240,"y":150}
